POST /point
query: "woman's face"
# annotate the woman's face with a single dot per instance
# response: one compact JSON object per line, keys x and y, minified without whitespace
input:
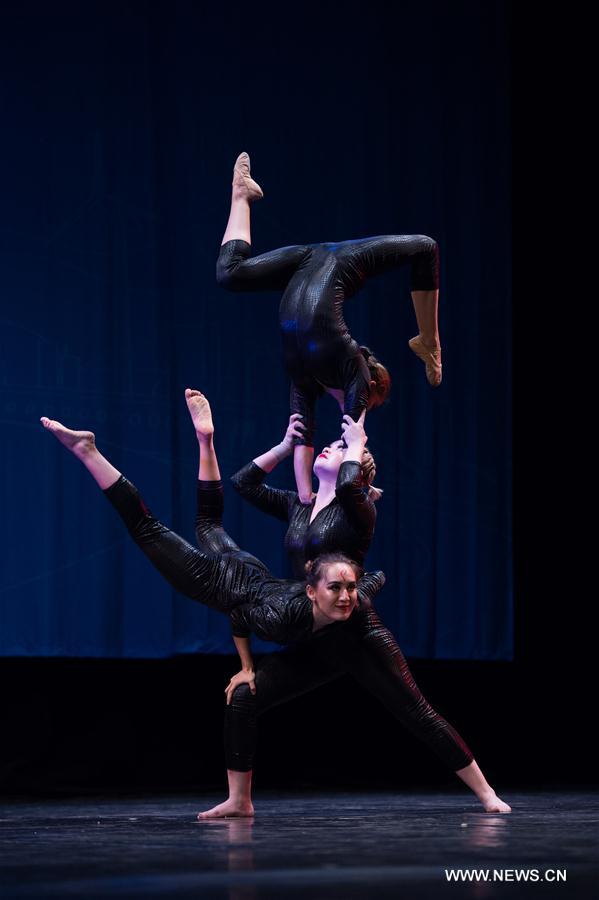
{"x":329,"y":459}
{"x":336,"y":594}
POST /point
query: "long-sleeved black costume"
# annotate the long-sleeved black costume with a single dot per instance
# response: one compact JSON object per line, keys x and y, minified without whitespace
{"x":316,"y":279}
{"x":226,"y":578}
{"x":345,"y":525}
{"x":219,"y":574}
{"x":363,"y":648}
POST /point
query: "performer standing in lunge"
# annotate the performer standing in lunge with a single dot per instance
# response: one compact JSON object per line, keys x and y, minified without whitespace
{"x":362,"y":647}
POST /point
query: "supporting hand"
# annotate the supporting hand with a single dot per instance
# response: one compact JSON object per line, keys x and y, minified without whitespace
{"x":246,"y":676}
{"x":294,"y":430}
{"x":267,"y":461}
{"x":353,"y":432}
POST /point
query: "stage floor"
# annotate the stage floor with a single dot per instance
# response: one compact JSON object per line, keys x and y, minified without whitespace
{"x":343,"y":845}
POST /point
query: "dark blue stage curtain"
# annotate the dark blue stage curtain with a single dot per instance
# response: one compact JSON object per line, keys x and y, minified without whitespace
{"x":120,"y":124}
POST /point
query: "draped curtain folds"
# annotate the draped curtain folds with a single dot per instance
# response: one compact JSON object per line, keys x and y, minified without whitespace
{"x":120,"y":128}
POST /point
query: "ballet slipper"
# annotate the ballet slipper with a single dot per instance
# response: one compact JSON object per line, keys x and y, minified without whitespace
{"x":430,"y":358}
{"x":242,"y":179}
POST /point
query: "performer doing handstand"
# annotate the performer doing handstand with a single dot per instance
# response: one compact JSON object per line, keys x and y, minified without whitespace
{"x":318,"y":351}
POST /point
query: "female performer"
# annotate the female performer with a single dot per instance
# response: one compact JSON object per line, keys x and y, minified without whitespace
{"x":235,"y":582}
{"x":362,"y":647}
{"x":341,"y":515}
{"x":340,"y":518}
{"x":318,"y":351}
{"x":219,"y":574}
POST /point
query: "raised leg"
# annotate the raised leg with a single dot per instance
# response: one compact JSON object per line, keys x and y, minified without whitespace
{"x":235,"y":269}
{"x":244,"y":191}
{"x":218,"y":582}
{"x":82,"y":445}
{"x":201,"y":417}
{"x":211,"y":537}
{"x":372,"y":256}
{"x":426,"y":305}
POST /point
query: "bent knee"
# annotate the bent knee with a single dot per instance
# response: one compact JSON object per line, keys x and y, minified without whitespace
{"x":224,"y":277}
{"x":427,"y":244}
{"x":425,"y":264}
{"x":242,"y":696}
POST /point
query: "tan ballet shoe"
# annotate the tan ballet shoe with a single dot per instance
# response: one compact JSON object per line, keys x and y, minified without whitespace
{"x":430,"y":358}
{"x":242,"y":178}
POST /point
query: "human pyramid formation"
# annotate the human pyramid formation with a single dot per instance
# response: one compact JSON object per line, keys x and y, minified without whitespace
{"x":326,"y":616}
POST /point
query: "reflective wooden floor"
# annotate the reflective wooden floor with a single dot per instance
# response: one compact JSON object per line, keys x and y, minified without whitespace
{"x":343,"y":845}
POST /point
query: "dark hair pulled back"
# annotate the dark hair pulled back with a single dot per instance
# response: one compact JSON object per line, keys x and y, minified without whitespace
{"x":379,"y":392}
{"x":315,"y":568}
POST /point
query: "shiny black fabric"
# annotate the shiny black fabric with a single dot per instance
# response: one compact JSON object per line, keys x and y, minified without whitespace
{"x":279,"y":611}
{"x":346,"y":524}
{"x":363,"y":649}
{"x":316,"y":279}
{"x":219,"y":574}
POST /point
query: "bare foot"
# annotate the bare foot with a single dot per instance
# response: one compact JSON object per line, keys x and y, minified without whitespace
{"x":430,"y":356}
{"x":243,"y":183}
{"x":230,"y":808}
{"x":78,"y":442}
{"x":494,"y":804}
{"x":200,"y":412}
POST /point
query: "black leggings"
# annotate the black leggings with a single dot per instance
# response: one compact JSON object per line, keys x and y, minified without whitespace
{"x":368,"y":652}
{"x":364,"y":648}
{"x":219,"y":574}
{"x":356,"y":260}
{"x":222,"y":576}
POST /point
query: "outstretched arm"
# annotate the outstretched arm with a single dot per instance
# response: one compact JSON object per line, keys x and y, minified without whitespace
{"x":302,"y":400}
{"x":269,"y":460}
{"x":355,"y":437}
{"x":248,"y":481}
{"x":349,"y":490}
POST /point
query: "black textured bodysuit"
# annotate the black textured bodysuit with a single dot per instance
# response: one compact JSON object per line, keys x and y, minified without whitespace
{"x":363,"y":648}
{"x":316,"y":279}
{"x":345,"y":525}
{"x":226,"y":578}
{"x":219,"y":574}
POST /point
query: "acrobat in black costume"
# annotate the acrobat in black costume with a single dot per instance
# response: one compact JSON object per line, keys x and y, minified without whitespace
{"x":316,"y":279}
{"x":345,"y":524}
{"x":226,"y":578}
{"x":361,"y":647}
{"x":219,"y":574}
